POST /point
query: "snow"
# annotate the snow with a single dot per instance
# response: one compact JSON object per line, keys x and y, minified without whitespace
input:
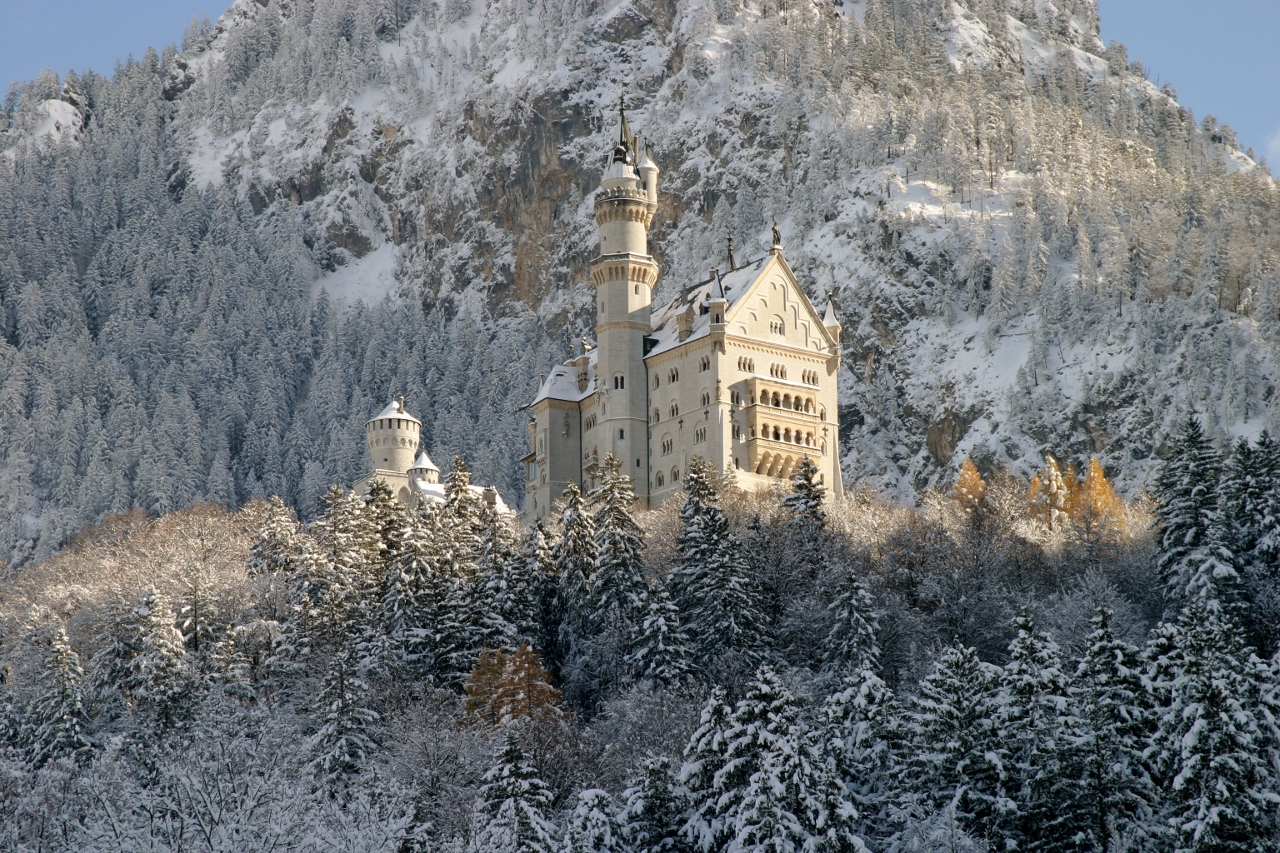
{"x":61,"y":120}
{"x":369,"y":279}
{"x":210,"y":155}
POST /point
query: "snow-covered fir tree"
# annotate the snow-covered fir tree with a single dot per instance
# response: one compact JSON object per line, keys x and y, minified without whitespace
{"x":510,"y":815}
{"x":58,"y":720}
{"x":711,"y":582}
{"x":653,"y":811}
{"x":593,"y":826}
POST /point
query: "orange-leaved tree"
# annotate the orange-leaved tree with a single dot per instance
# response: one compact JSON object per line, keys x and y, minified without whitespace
{"x":1096,"y":511}
{"x":508,"y":687}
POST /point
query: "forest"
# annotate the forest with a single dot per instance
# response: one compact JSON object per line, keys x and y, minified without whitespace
{"x":1030,"y":245}
{"x":1009,"y":666}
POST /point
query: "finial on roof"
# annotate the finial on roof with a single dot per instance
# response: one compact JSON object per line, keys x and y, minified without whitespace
{"x":586,"y":345}
{"x":777,"y":238}
{"x":400,"y":404}
{"x":732,"y":266}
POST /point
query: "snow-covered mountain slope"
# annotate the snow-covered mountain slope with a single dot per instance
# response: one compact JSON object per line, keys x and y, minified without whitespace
{"x":1032,"y":248}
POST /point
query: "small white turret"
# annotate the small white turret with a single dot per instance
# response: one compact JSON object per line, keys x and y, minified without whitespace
{"x":424,"y":469}
{"x":393,"y":436}
{"x":648,"y":173}
{"x":829,"y":319}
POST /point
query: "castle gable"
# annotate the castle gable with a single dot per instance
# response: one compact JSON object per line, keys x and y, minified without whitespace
{"x":774,"y":307}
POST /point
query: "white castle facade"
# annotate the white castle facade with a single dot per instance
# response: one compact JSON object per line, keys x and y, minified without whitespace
{"x":739,"y":369}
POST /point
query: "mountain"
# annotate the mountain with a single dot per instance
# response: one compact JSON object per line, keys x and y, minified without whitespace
{"x":215,"y":265}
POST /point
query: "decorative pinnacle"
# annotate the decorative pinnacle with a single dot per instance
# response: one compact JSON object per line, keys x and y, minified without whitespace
{"x":732,"y":266}
{"x":777,"y":238}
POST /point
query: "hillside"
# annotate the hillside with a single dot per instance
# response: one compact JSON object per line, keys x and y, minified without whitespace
{"x":1032,"y":248}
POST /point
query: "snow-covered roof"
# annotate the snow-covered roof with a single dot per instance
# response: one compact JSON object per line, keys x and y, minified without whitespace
{"x":733,"y":284}
{"x":434,"y":493}
{"x":424,"y":462}
{"x":394,"y":410}
{"x":562,"y":382}
{"x":618,"y":173}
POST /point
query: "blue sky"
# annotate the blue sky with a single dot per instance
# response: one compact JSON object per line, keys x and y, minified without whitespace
{"x":1221,"y":55}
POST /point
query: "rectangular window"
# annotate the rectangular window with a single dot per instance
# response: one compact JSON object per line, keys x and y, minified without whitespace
{"x":622,"y":434}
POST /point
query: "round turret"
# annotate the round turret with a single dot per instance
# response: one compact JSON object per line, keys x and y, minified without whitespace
{"x":393,"y":437}
{"x":424,"y":469}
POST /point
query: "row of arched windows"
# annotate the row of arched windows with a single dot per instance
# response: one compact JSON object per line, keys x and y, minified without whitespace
{"x":590,"y":423}
{"x":787,"y":435}
{"x":706,"y":398}
{"x":777,"y":327}
{"x":795,"y":404}
{"x":809,"y":377}
{"x":667,"y":446}
{"x":704,"y":364}
{"x":778,"y":371}
{"x":746,"y":365}
{"x":699,"y":435}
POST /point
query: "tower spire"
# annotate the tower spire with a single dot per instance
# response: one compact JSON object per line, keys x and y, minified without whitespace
{"x":624,"y":129}
{"x":732,"y":265}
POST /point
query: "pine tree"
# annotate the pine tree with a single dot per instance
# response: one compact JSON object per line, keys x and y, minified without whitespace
{"x":1108,"y":793}
{"x":654,"y":810}
{"x":275,"y":542}
{"x":806,"y":497}
{"x":575,"y":558}
{"x":58,"y":716}
{"x":714,"y":591}
{"x":708,"y":822}
{"x":761,"y":720}
{"x":416,"y":591}
{"x":953,"y":748}
{"x":659,"y":656}
{"x":342,"y":744}
{"x":510,"y":816}
{"x":617,"y":583}
{"x":795,"y":801}
{"x":1250,"y":495}
{"x":1187,"y":492}
{"x":859,"y":730}
{"x":146,"y":662}
{"x":1210,"y":746}
{"x":851,"y":642}
{"x":592,"y":826}
{"x":1036,"y":731}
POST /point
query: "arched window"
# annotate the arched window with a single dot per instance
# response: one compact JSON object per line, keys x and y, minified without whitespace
{"x":661,"y":480}
{"x":786,"y":401}
{"x":777,"y":401}
{"x":777,"y":326}
{"x":822,"y":413}
{"x":673,"y":375}
{"x":704,"y":364}
{"x":675,"y":410}
{"x":777,"y":434}
{"x":675,"y":475}
{"x":655,"y":417}
{"x":619,"y":382}
{"x":706,"y":398}
{"x":655,"y":380}
{"x":735,"y":397}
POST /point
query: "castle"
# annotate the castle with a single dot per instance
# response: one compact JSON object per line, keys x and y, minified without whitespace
{"x":739,"y":369}
{"x":394,"y":439}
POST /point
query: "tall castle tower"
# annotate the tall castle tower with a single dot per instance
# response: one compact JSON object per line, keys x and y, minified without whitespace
{"x":625,"y":275}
